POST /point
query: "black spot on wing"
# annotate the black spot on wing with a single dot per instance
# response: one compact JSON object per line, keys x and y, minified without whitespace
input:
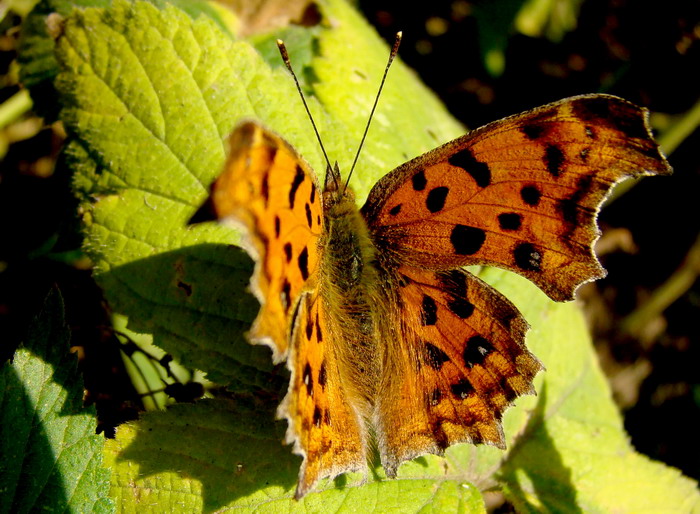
{"x":479,"y":171}
{"x":527,"y":257}
{"x":533,"y":131}
{"x":569,"y":206}
{"x":285,"y":295}
{"x":508,"y":391}
{"x":572,"y":208}
{"x":395,"y":209}
{"x":510,"y":221}
{"x":476,"y":350}
{"x":303,"y":262}
{"x":319,"y":334}
{"x":298,"y":179}
{"x":467,"y":240}
{"x":434,"y":397}
{"x":265,"y":187}
{"x":554,"y":159}
{"x":277,"y":226}
{"x":428,"y":311}
{"x":455,"y":282}
{"x":309,"y":329}
{"x":531,"y":195}
{"x":436,"y":199}
{"x":403,"y":280}
{"x":460,"y":307}
{"x":288,"y":251}
{"x":308,"y":380}
{"x":462,"y":389}
{"x":434,"y":356}
{"x":309,"y":219}
{"x":322,"y":375}
{"x":439,"y":436}
{"x":419,"y":181}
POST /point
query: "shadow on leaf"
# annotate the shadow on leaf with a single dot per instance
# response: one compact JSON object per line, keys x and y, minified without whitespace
{"x":195,"y":302}
{"x":232,"y":447}
{"x":550,"y":478}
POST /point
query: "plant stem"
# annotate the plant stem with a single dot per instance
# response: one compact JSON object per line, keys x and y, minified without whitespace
{"x":675,"y":287}
{"x":14,"y":107}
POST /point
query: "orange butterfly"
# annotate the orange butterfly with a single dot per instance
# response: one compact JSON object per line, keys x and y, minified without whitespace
{"x":386,"y":336}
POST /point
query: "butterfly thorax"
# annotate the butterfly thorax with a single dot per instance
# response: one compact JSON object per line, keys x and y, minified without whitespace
{"x":349,"y":283}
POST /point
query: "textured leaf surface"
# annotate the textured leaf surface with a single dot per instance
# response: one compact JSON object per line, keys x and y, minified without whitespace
{"x":573,"y":454}
{"x":50,"y":457}
{"x":228,"y":454}
{"x":149,"y":96}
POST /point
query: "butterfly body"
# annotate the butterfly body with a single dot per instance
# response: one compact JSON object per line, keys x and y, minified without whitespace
{"x":349,"y":289}
{"x":386,"y":336}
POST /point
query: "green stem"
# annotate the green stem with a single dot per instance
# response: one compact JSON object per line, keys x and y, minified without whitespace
{"x":675,"y":287}
{"x":14,"y":107}
{"x":679,"y":131}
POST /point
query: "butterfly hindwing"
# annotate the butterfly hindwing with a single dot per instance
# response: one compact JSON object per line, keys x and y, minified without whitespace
{"x":521,"y":193}
{"x":462,"y":361}
{"x":270,"y":190}
{"x":322,"y":424}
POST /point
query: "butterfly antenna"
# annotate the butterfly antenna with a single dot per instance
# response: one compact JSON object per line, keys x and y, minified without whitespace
{"x":288,"y":64}
{"x":394,"y":51}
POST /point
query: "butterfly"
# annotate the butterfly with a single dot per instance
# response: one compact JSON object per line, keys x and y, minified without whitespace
{"x":389,"y":341}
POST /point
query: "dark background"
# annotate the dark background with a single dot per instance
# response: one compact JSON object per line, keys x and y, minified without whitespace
{"x":647,"y":52}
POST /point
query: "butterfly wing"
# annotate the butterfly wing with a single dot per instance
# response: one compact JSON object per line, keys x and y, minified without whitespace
{"x":521,"y":193}
{"x":322,"y":424}
{"x":270,"y":191}
{"x":460,"y":362}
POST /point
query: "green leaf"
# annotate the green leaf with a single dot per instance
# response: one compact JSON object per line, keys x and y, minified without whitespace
{"x":149,"y":96}
{"x":50,"y":457}
{"x":179,"y":89}
{"x":573,"y":454}
{"x":228,"y":454}
{"x":38,"y":66}
{"x":36,"y":48}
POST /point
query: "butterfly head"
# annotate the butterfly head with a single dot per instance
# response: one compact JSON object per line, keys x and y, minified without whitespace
{"x":334,"y":190}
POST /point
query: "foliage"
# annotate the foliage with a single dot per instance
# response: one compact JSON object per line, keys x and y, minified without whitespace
{"x":51,"y":456}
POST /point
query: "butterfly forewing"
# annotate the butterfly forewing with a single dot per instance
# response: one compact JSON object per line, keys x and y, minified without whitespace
{"x":269,"y":190}
{"x":521,"y":193}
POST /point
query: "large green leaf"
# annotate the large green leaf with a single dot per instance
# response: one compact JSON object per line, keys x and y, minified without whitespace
{"x":42,"y":26}
{"x":148,"y":97}
{"x":50,"y":457}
